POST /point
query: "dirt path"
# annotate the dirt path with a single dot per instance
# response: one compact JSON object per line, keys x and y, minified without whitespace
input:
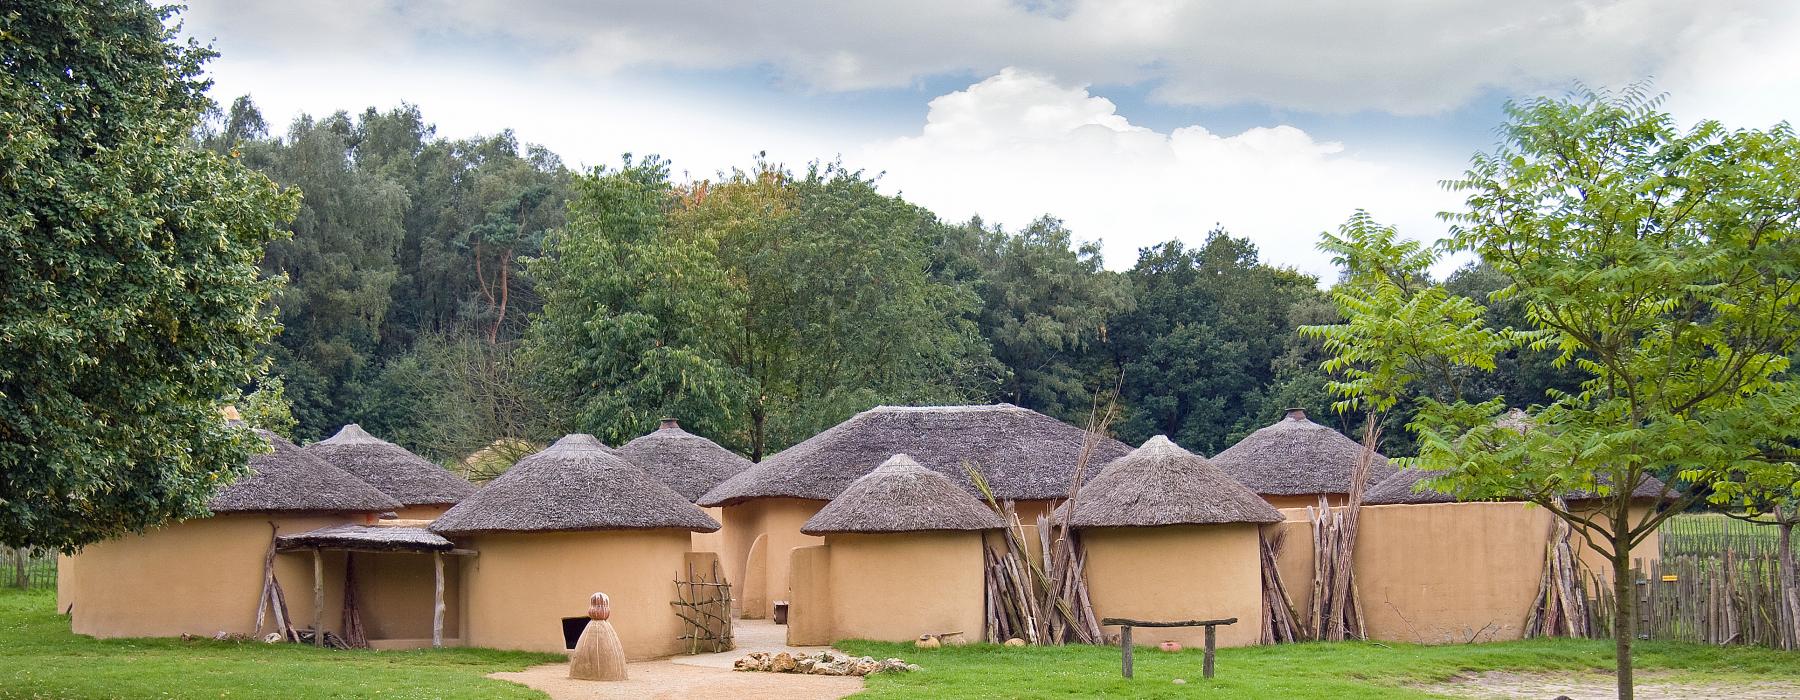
{"x":701,"y":677}
{"x":1503,"y":685}
{"x":666,"y":680}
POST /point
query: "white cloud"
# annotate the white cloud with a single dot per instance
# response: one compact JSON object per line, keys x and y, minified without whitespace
{"x":1399,"y":56}
{"x":1018,"y":144}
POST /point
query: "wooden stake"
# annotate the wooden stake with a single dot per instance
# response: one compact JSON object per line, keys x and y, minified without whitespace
{"x":437,"y":600}
{"x":318,"y":597}
{"x":1125,"y":648}
{"x":1206,"y":665}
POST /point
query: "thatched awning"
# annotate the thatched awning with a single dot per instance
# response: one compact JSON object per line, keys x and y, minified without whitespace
{"x":1024,"y":455}
{"x":407,"y":477}
{"x":1297,"y":457}
{"x":288,"y":480}
{"x":688,"y":463}
{"x":1161,"y":484}
{"x":901,"y":496}
{"x":366,"y":538}
{"x":575,"y":484}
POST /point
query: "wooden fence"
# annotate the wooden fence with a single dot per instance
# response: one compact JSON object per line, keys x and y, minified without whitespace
{"x":27,"y":568}
{"x":1717,"y":582}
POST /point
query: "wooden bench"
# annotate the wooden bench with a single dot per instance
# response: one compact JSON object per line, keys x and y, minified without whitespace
{"x":1125,"y":626}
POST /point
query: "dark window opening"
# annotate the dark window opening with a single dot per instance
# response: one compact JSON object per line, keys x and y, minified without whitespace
{"x":572,"y":627}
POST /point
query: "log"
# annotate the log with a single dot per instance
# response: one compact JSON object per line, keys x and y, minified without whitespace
{"x":1206,"y":665}
{"x":437,"y":600}
{"x":1125,"y":649}
{"x":318,"y":597}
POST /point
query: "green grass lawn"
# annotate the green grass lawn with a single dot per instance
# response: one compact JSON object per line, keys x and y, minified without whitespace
{"x":40,"y":658}
{"x":1351,"y":670}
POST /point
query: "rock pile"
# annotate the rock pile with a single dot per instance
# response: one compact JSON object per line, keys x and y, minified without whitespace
{"x":824,"y":663}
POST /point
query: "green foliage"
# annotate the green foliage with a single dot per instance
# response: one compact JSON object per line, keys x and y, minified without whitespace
{"x":42,"y":659}
{"x":133,"y":303}
{"x":267,"y":407}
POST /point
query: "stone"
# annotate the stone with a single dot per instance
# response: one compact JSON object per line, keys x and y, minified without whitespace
{"x":754,"y":661}
{"x":783,"y":663}
{"x":913,"y":667}
{"x":864,"y":666}
{"x":1179,"y":681}
{"x":1015,"y":642}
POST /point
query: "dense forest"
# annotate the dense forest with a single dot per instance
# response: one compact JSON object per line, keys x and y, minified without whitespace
{"x":454,"y":294}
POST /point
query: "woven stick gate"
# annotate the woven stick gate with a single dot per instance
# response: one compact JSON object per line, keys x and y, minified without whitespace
{"x":704,"y":603}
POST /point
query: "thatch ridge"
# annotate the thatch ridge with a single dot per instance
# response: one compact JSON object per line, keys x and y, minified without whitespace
{"x":1023,"y":454}
{"x":688,"y":463}
{"x":574,"y":484}
{"x":901,"y":496}
{"x":408,"y":478}
{"x":1296,"y":457}
{"x":1161,"y":484}
{"x":288,"y":480}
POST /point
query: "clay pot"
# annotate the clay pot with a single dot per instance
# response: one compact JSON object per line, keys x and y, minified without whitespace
{"x":599,"y":607}
{"x":1170,"y":647}
{"x":928,"y":642}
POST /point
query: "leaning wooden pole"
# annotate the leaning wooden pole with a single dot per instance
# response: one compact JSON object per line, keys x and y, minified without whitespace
{"x":318,"y":597}
{"x":437,"y":600}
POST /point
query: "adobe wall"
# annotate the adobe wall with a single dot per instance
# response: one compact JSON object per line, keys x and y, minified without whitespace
{"x":810,"y":610}
{"x":778,"y":521}
{"x":1183,"y":572}
{"x":520,"y":586}
{"x":197,"y":577}
{"x":421,"y":512}
{"x":394,"y":595}
{"x":1441,"y":572}
{"x":710,"y":541}
{"x":890,"y":587}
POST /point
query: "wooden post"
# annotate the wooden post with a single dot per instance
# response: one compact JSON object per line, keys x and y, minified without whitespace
{"x":318,"y":597}
{"x":437,"y":600}
{"x":1125,"y":649}
{"x":1211,"y":639}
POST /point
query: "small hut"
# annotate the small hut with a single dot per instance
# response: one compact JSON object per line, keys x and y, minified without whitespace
{"x":1026,"y":457}
{"x":424,"y":490}
{"x":1169,"y":536}
{"x":205,"y":576}
{"x":688,"y":463}
{"x":559,"y":525}
{"x":1294,"y":462}
{"x":902,"y":535}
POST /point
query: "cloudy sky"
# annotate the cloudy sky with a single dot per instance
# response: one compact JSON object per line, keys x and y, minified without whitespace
{"x":1135,"y":121}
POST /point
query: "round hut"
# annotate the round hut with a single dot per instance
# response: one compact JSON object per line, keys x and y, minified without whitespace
{"x":1025,"y":456}
{"x":1169,"y":536}
{"x":902,"y":558}
{"x":559,"y":525}
{"x":1294,"y":462}
{"x":205,"y":576}
{"x":688,"y":463}
{"x":424,"y":490}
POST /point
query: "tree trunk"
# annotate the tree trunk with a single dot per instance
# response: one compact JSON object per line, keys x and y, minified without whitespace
{"x":1790,"y":580}
{"x":21,"y":574}
{"x":1625,"y":619}
{"x":757,"y":419}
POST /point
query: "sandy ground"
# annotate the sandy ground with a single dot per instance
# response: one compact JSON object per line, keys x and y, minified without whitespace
{"x":1503,"y":685}
{"x":699,"y":677}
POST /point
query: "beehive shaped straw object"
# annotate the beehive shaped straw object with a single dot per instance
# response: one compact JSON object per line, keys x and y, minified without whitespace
{"x":598,"y":656}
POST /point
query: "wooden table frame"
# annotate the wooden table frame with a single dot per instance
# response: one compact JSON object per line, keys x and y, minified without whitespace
{"x":1126,"y":624}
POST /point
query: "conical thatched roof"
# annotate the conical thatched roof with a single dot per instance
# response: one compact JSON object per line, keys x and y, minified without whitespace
{"x":1297,"y":457}
{"x":399,"y":473}
{"x":1162,"y":484}
{"x":686,"y":462}
{"x":901,"y":496}
{"x":575,"y":484}
{"x":1025,"y":455}
{"x":290,"y":480}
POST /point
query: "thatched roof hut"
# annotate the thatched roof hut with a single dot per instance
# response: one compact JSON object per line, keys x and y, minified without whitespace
{"x":288,"y":480}
{"x":1162,"y":484}
{"x":1024,"y":455}
{"x":688,"y":463}
{"x":399,"y":473}
{"x":901,"y":496}
{"x":1297,"y":457}
{"x":575,"y":484}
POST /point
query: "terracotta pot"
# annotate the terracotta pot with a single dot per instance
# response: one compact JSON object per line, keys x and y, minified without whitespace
{"x":1170,"y":647}
{"x":599,"y":607}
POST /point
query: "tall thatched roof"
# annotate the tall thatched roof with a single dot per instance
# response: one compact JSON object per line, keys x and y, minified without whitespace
{"x":1025,"y":455}
{"x":399,"y":473}
{"x":290,"y":480}
{"x":901,"y":496}
{"x":1162,"y":484}
{"x":575,"y":484}
{"x":686,"y":462}
{"x":1297,"y":457}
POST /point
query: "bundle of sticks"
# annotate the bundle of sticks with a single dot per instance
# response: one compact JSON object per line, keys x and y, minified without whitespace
{"x":1561,"y":608}
{"x":1039,"y":604}
{"x":1281,"y":625}
{"x":1336,"y":604}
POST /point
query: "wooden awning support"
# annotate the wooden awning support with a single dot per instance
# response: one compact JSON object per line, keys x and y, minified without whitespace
{"x":437,"y":600}
{"x":318,"y":597}
{"x":1125,"y":625}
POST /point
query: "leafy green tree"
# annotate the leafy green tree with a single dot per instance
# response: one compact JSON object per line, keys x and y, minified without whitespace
{"x":133,"y":306}
{"x":267,"y":407}
{"x":1663,"y":263}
